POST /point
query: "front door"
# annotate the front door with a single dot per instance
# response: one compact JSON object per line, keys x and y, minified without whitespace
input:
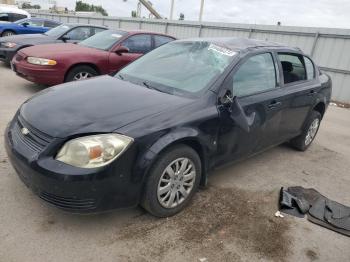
{"x":254,"y":84}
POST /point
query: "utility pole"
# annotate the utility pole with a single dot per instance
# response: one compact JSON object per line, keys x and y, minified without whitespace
{"x":171,"y":9}
{"x":201,"y":11}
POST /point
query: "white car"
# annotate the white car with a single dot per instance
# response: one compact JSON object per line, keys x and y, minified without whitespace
{"x":11,"y":13}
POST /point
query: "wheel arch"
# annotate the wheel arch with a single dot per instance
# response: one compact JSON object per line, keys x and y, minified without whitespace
{"x":185,"y":137}
{"x":320,"y":107}
{"x":7,"y":30}
{"x":95,"y":67}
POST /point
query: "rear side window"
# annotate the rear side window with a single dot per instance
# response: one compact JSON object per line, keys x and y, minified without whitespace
{"x":310,"y":69}
{"x":98,"y":30}
{"x":50,"y":24}
{"x":16,"y":17}
{"x":256,"y":75}
{"x":4,"y":17}
{"x":293,"y":67}
{"x":161,"y":40}
{"x":139,"y":43}
{"x":79,"y":33}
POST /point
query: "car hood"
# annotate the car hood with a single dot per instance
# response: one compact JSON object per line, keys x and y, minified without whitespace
{"x":102,"y":104}
{"x":56,"y":50}
{"x":30,"y":39}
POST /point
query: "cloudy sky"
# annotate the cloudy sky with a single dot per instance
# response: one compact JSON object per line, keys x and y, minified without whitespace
{"x":322,"y":13}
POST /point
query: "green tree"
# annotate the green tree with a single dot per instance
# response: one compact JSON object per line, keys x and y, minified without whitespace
{"x":80,"y":6}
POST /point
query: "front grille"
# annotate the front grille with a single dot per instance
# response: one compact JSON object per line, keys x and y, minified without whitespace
{"x":68,"y":202}
{"x":35,"y":140}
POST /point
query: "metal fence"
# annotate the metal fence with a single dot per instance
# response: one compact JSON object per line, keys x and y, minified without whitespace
{"x":330,"y":48}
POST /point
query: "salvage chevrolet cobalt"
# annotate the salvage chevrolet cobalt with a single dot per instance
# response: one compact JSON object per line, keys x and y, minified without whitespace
{"x":151,"y":134}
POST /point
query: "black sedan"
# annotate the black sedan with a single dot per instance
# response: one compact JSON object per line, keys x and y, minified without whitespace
{"x":151,"y":134}
{"x":70,"y":33}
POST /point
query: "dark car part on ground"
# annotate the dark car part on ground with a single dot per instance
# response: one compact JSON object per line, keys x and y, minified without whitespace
{"x":151,"y":134}
{"x":320,"y":210}
{"x":65,"y":33}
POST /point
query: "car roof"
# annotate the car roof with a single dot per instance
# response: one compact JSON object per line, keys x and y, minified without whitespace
{"x":92,"y":25}
{"x":237,"y":43}
{"x":12,"y":9}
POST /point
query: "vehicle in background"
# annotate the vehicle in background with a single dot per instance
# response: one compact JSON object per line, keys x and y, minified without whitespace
{"x":103,"y":53}
{"x":11,"y":13}
{"x":27,"y":26}
{"x":66,"y":33}
{"x":152,"y":134}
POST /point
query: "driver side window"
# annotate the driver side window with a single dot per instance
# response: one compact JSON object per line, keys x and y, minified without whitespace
{"x":139,"y":43}
{"x":33,"y":23}
{"x":79,"y":33}
{"x":256,"y":75}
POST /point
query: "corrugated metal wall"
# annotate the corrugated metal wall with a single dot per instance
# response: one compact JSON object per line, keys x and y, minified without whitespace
{"x":330,"y":48}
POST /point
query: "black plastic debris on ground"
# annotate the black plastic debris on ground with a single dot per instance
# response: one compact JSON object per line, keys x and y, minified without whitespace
{"x":298,"y":201}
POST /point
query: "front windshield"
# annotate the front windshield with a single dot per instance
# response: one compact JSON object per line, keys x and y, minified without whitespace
{"x":180,"y":67}
{"x":104,"y":40}
{"x":58,"y":31}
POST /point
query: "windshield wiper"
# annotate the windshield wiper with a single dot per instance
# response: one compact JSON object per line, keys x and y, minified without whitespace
{"x":120,"y":76}
{"x":153,"y":87}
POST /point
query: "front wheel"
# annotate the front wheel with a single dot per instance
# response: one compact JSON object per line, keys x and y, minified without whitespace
{"x":172,"y":182}
{"x":80,"y":73}
{"x":309,"y":133}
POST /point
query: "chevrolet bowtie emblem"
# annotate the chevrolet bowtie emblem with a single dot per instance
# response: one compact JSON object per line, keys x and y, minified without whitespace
{"x":25,"y":131}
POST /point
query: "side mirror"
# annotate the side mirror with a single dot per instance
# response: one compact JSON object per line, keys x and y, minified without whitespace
{"x":227,"y":99}
{"x":121,"y":50}
{"x":238,"y":115}
{"x":25,"y":24}
{"x":65,"y":38}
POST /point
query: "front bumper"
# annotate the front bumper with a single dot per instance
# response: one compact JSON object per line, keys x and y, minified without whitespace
{"x":73,"y":189}
{"x":6,"y":54}
{"x":45,"y":75}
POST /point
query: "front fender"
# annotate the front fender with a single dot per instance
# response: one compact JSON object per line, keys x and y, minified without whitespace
{"x":189,"y":136}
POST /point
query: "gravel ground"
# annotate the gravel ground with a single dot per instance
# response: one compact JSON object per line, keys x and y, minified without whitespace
{"x":232,"y":220}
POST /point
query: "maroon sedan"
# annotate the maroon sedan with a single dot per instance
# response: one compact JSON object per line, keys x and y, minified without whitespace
{"x":103,"y":53}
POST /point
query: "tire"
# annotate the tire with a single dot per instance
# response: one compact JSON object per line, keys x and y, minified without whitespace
{"x":312,"y":124}
{"x":84,"y":71}
{"x":158,"y":203}
{"x":7,"y":33}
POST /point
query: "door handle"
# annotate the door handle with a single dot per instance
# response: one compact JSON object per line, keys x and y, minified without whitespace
{"x":274,"y":104}
{"x":311,"y":93}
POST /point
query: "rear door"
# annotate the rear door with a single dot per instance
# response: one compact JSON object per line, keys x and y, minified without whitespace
{"x":300,"y":87}
{"x":138,"y":45}
{"x":254,"y":83}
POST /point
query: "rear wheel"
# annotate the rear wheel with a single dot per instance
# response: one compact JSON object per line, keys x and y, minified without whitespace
{"x":309,"y":133}
{"x":80,"y":73}
{"x":7,"y":33}
{"x":172,"y":182}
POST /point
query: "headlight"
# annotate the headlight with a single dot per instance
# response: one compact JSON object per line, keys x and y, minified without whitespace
{"x":9,"y":44}
{"x":40,"y":61}
{"x":93,"y":151}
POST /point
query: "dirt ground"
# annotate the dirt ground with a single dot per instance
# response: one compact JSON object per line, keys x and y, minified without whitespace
{"x":232,"y":220}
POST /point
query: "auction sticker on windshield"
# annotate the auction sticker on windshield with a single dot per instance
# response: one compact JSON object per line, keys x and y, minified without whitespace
{"x":221,"y":50}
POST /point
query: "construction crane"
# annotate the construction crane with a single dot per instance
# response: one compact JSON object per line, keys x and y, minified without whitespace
{"x":149,"y":7}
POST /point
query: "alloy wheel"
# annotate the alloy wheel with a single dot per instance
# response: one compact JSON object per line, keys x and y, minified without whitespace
{"x":82,"y":76}
{"x":311,"y":133}
{"x":176,"y":182}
